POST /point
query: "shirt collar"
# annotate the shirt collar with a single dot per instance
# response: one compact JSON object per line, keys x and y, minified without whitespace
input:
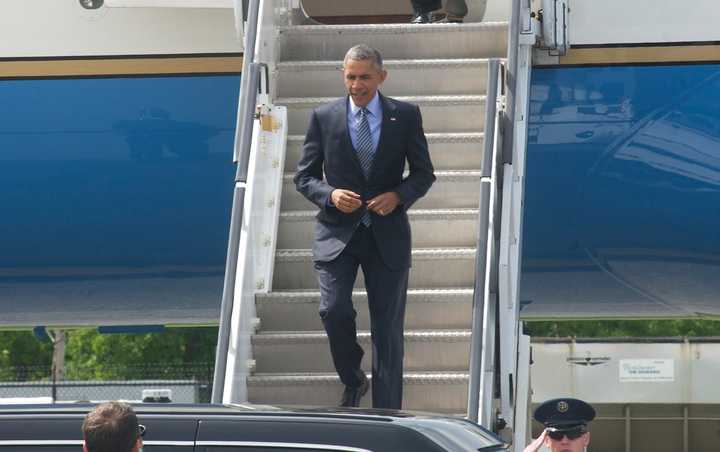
{"x":373,"y":106}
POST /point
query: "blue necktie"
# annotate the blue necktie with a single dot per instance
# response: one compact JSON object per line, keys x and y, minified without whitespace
{"x":365,"y":151}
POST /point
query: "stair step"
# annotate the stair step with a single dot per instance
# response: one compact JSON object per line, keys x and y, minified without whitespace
{"x":405,"y":77}
{"x":310,"y":352}
{"x":459,"y":226}
{"x":448,"y":151}
{"x":439,"y":392}
{"x":440,"y":113}
{"x":431,"y":267}
{"x":395,"y":41}
{"x":451,"y":190}
{"x":426,"y":308}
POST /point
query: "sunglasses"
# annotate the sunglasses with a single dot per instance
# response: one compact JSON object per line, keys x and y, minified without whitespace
{"x":571,"y":434}
{"x":141,"y":429}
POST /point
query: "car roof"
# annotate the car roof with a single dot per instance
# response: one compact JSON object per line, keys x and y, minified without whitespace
{"x":442,"y":429}
{"x":217,"y":409}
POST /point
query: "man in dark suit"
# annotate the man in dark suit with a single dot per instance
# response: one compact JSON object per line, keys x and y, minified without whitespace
{"x":352,"y":168}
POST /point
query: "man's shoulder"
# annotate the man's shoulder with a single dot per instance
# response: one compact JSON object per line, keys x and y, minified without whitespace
{"x":400,"y":105}
{"x":331,"y":107}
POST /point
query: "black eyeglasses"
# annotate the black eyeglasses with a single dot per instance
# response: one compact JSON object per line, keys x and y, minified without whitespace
{"x":571,"y":434}
{"x":141,"y":429}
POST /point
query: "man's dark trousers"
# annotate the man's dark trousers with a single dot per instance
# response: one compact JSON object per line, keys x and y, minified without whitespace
{"x":387,"y":293}
{"x":425,"y":6}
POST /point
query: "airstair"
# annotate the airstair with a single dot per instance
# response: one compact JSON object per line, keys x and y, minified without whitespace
{"x":443,"y":69}
{"x":466,"y":237}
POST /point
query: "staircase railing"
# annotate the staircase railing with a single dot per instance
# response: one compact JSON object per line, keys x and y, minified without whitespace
{"x":259,"y":153}
{"x":485,"y":290}
{"x":243,"y":140}
{"x":496,"y":372}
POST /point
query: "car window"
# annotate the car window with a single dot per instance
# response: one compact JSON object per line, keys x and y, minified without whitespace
{"x":78,"y":448}
{"x":155,"y":448}
{"x":40,"y":448}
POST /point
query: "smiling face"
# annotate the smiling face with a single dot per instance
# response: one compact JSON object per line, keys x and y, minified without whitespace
{"x":568,"y":445}
{"x":362,"y":80}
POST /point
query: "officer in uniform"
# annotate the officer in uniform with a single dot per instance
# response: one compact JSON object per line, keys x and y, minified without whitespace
{"x":565,"y":422}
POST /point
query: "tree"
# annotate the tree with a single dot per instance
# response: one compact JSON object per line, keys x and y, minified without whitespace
{"x":91,"y":355}
{"x":23,"y":357}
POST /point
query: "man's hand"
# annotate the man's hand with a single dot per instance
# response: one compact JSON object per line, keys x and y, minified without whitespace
{"x":346,"y":201}
{"x":535,"y":445}
{"x":384,"y":204}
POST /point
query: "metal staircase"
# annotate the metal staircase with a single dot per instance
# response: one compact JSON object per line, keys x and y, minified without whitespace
{"x":442,"y":68}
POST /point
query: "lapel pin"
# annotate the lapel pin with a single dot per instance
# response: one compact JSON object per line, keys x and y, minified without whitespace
{"x":392,"y":118}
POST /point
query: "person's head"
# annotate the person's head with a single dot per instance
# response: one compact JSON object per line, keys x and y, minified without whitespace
{"x":363,"y":73}
{"x":565,"y":421}
{"x":112,"y":427}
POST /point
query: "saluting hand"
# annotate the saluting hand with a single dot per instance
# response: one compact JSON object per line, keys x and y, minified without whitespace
{"x":385,"y":203}
{"x":346,"y":201}
{"x":535,"y":445}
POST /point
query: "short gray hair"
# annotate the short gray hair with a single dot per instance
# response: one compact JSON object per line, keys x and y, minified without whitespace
{"x":362,"y":52}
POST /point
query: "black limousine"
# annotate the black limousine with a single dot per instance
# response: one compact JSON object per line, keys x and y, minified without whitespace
{"x":249,"y":428}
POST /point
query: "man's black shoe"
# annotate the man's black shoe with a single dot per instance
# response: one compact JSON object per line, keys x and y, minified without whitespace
{"x":421,"y":18}
{"x":351,"y":396}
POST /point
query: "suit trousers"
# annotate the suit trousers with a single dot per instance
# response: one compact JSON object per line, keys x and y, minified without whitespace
{"x":387,"y":294}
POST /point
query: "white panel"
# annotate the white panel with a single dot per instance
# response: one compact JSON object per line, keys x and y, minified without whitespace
{"x":695,"y":368}
{"x":704,"y":368}
{"x":64,"y":28}
{"x":643,"y":21}
{"x":488,"y":10}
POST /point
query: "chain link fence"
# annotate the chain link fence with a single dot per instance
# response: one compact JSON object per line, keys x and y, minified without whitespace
{"x":189,"y":383}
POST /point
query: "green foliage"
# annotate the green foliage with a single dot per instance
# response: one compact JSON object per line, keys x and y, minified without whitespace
{"x":91,"y":355}
{"x":176,"y":353}
{"x":23,"y":357}
{"x":624,"y":328}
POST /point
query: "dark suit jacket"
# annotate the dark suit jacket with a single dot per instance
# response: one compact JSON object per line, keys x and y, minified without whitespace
{"x":328,"y":148}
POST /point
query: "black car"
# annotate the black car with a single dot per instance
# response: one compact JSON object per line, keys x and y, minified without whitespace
{"x":248,"y":428}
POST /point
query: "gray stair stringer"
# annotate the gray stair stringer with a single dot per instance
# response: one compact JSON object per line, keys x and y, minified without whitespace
{"x":451,"y":190}
{"x":405,"y":77}
{"x":435,"y":309}
{"x":459,"y":226}
{"x":440,"y":392}
{"x":309,"y":351}
{"x":439,"y":113}
{"x":431,"y":267}
{"x":395,"y":41}
{"x":449,"y":151}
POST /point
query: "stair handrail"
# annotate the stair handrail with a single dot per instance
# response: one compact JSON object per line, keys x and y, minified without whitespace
{"x":484,"y":256}
{"x":249,"y":81}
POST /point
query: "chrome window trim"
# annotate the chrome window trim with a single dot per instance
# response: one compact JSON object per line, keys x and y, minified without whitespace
{"x":280,"y":445}
{"x":41,"y":442}
{"x":79,"y":442}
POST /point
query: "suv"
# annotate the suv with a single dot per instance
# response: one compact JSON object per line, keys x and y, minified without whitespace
{"x":248,"y":428}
